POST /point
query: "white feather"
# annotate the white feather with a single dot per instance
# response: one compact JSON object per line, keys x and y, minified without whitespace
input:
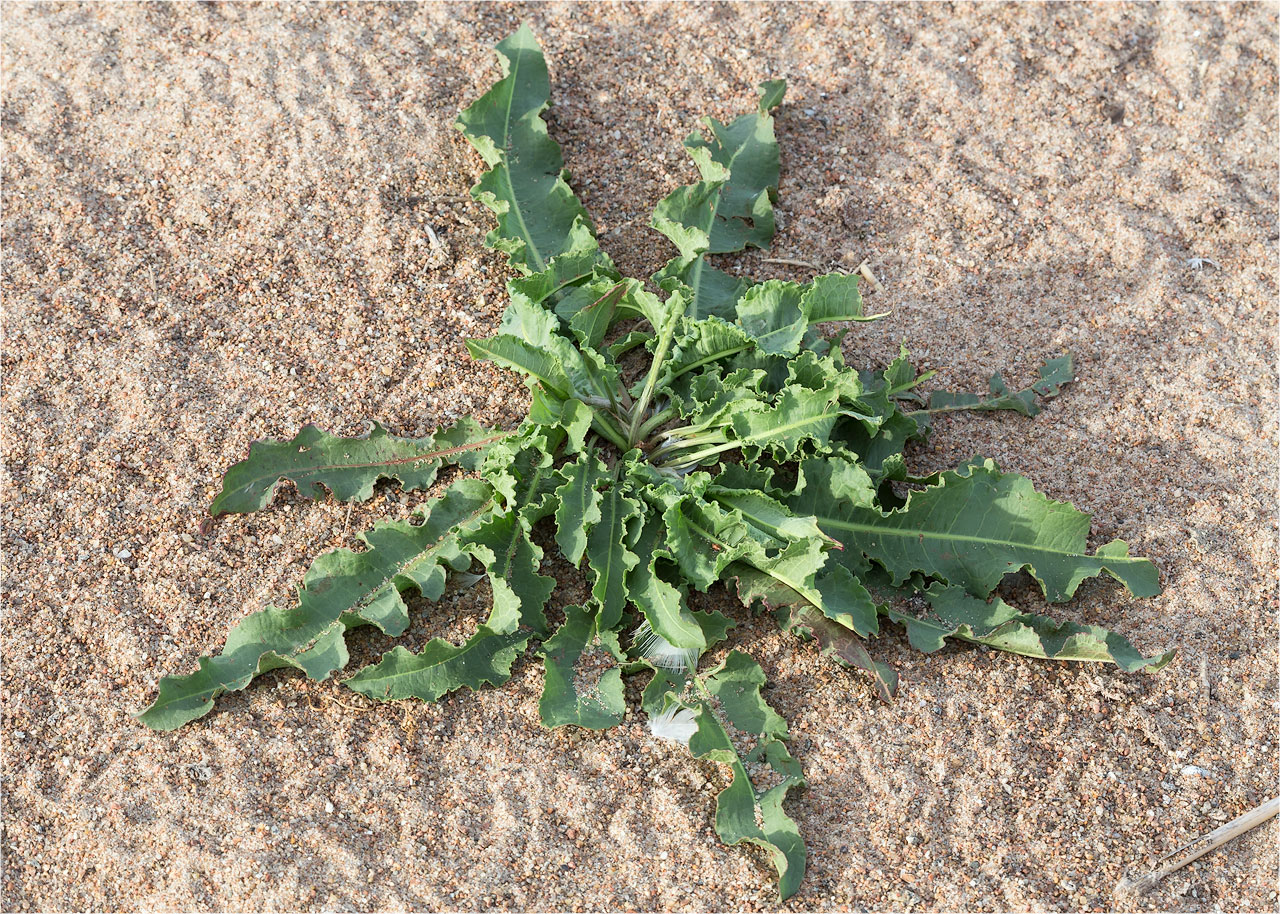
{"x":661,"y":652}
{"x":677,"y":724}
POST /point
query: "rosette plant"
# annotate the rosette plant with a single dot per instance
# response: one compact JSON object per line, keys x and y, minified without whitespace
{"x":688,"y":432}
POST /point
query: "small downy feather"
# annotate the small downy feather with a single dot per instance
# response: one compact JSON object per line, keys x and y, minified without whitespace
{"x":676,"y":723}
{"x":660,"y":652}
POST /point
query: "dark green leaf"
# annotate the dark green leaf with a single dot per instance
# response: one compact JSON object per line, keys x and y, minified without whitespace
{"x":956,"y":614}
{"x":316,"y":461}
{"x":441,"y":667}
{"x":979,"y":524}
{"x":341,"y":587}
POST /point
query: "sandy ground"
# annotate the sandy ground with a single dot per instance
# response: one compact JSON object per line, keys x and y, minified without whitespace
{"x":215,"y":229}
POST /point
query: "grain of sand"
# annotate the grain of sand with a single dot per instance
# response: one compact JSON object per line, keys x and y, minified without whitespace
{"x":216,"y":229}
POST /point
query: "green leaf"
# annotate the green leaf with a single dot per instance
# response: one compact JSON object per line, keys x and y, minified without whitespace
{"x":750,"y":810}
{"x":769,"y":516}
{"x":520,"y":469}
{"x":778,"y":314}
{"x":979,"y":524}
{"x":801,"y":614}
{"x":578,"y":504}
{"x":956,"y":614}
{"x":703,"y":539}
{"x":502,"y":545}
{"x":662,"y":604}
{"x":514,"y":353}
{"x":1053,"y":374}
{"x":592,"y":321}
{"x":729,"y":209}
{"x":798,"y":416}
{"x":340,"y":589}
{"x":608,"y":556}
{"x":441,"y":667}
{"x":316,"y":461}
{"x":582,"y":684}
{"x":538,"y":215}
{"x":703,"y":342}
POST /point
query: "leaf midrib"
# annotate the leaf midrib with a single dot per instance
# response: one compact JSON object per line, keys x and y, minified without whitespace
{"x":903,"y":533}
{"x":506,"y":168}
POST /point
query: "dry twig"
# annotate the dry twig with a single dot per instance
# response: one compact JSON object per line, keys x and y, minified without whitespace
{"x":1199,"y":847}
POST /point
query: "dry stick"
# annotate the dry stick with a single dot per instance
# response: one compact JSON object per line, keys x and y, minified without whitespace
{"x":432,"y":236}
{"x":340,"y":704}
{"x":1201,"y":846}
{"x":865,"y":269}
{"x":787,"y":262}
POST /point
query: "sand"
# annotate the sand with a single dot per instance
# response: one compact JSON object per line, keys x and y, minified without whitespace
{"x":217,"y":227}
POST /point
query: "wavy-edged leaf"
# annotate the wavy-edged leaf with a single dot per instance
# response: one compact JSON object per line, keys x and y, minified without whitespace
{"x":440,"y":667}
{"x":590,"y":321}
{"x":956,"y":614}
{"x":768,"y":515}
{"x":750,"y":808}
{"x":521,"y":471}
{"x":582,"y":683}
{"x":777,"y":314}
{"x":703,"y":342}
{"x":729,"y":209}
{"x":798,"y":613}
{"x":703,"y":539}
{"x":502,"y":545}
{"x":979,"y":524}
{"x":1053,"y":375}
{"x":342,"y":588}
{"x":316,"y":462}
{"x":525,"y":358}
{"x":799,"y":415}
{"x":661,"y":603}
{"x":538,"y":215}
{"x":608,"y":555}
{"x":578,"y":504}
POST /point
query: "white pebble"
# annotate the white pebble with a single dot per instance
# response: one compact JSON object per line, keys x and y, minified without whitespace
{"x":328,"y":806}
{"x":1195,"y":771}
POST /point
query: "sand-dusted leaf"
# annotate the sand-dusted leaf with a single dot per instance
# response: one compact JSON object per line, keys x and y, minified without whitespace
{"x":751,"y":809}
{"x":441,"y":667}
{"x":730,"y":209}
{"x":582,"y":682}
{"x":979,"y":524}
{"x":538,"y":215}
{"x":316,"y":462}
{"x":1053,"y":375}
{"x":341,"y":588}
{"x":578,"y":504}
{"x":956,"y":614}
{"x":608,"y":555}
{"x":502,"y":545}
